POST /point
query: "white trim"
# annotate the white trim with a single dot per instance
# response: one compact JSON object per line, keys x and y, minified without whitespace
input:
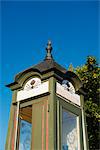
{"x":74,"y":98}
{"x":84,"y":131}
{"x":42,"y":88}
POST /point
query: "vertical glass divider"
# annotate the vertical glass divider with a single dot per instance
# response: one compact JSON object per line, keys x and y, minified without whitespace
{"x":78,"y":132}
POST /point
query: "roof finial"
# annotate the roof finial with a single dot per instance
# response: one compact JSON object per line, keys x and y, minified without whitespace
{"x":49,"y":49}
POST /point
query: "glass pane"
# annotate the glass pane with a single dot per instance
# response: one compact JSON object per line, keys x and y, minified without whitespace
{"x":25,"y":135}
{"x":69,"y":131}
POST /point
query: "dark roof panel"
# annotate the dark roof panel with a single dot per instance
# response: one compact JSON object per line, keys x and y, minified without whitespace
{"x":49,"y":64}
{"x":44,"y":66}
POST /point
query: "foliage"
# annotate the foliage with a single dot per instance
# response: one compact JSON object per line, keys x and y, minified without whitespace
{"x":90,"y":75}
{"x":71,"y":68}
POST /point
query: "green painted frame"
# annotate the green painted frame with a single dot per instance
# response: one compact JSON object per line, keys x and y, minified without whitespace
{"x":61,"y":103}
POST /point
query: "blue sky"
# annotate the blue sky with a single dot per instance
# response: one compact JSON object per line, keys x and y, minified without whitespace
{"x":72,"y":26}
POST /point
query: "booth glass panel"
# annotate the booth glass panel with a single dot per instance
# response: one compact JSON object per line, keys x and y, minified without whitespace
{"x":25,"y":135}
{"x":25,"y":128}
{"x":70,"y":135}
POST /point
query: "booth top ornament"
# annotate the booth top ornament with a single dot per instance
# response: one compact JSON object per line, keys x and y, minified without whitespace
{"x":49,"y":49}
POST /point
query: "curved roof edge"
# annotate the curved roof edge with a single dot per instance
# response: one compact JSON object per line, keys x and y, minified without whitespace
{"x":43,"y":67}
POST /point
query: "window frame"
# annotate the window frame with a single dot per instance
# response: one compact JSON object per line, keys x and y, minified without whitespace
{"x":74,"y":109}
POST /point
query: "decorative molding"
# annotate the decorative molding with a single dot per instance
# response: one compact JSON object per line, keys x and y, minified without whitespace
{"x":37,"y":90}
{"x":32,"y":83}
{"x":68,"y":86}
{"x":62,"y":91}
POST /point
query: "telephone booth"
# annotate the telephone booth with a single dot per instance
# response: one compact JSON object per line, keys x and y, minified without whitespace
{"x":47,"y":110}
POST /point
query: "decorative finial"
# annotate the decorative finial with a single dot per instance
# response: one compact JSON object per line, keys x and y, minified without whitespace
{"x":49,"y":49}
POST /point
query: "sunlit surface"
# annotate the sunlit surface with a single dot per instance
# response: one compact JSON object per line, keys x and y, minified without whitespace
{"x":25,"y":135}
{"x":69,"y":131}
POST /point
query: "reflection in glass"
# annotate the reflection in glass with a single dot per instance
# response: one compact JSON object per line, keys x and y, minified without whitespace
{"x":25,"y":135}
{"x":69,"y":131}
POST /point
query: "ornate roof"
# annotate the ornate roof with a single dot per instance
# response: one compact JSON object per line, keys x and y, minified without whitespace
{"x":46,"y":66}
